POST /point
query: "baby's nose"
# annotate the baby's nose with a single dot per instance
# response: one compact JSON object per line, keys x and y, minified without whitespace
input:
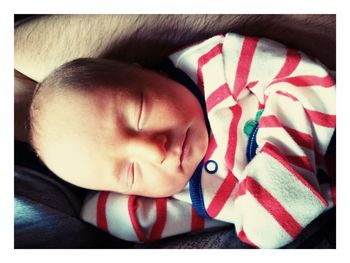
{"x":152,"y":148}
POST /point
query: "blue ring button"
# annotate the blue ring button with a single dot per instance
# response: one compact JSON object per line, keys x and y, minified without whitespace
{"x":211,"y":166}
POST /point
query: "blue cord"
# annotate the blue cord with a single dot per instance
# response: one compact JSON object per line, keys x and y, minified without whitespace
{"x":196,"y":192}
{"x":252,"y":144}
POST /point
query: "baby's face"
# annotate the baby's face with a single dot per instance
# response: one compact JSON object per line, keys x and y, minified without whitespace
{"x":145,"y":140}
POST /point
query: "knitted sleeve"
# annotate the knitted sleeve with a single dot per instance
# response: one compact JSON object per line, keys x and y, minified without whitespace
{"x":142,"y":219}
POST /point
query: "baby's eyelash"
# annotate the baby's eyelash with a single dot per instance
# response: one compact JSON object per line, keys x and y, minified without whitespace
{"x":132,"y":169}
{"x":131,"y":174}
{"x":139,"y":121}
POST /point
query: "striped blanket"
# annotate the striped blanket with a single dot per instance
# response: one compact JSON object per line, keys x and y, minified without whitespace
{"x":271,"y":111}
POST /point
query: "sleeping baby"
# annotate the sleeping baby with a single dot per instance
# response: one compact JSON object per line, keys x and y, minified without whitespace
{"x":233,"y":129}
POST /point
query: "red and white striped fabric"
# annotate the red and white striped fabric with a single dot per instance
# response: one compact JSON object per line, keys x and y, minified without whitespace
{"x":142,"y":219}
{"x":274,"y":196}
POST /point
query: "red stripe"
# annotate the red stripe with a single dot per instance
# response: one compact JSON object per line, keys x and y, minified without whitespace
{"x":300,"y":161}
{"x":197,"y":222}
{"x":222,"y":195}
{"x":273,"y":151}
{"x":217,"y":96}
{"x":101,"y":218}
{"x":292,"y":61}
{"x":265,"y":98}
{"x":270,"y":121}
{"x":158,"y":227}
{"x":232,"y":138}
{"x":227,"y":186}
{"x":204,"y":59}
{"x":286,"y":94}
{"x":322,"y":119}
{"x":307,"y":81}
{"x":252,"y":84}
{"x":242,"y":236}
{"x":242,"y":189}
{"x":274,"y":207}
{"x":261,"y":106}
{"x":211,"y":148}
{"x":301,"y":138}
{"x":132,"y":207}
{"x":244,"y":64}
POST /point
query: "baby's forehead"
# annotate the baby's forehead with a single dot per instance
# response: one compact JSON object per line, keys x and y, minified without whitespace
{"x":97,"y":91}
{"x":99,"y":99}
{"x":72,"y":110}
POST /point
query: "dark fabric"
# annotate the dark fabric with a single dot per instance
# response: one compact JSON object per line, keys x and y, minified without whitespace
{"x":47,"y":215}
{"x":40,"y":226}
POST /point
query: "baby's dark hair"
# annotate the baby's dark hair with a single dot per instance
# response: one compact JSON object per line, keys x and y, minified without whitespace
{"x":83,"y":74}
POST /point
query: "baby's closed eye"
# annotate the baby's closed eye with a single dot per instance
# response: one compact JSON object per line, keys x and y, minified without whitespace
{"x":140,"y":113}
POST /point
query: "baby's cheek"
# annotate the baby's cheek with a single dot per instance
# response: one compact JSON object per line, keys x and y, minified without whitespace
{"x":170,"y":184}
{"x":175,"y":186}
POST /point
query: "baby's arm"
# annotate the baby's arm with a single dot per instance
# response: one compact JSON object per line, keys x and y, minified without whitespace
{"x":142,"y":219}
{"x":46,"y":42}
